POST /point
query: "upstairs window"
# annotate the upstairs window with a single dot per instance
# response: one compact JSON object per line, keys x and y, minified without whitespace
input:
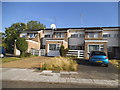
{"x":47,"y":36}
{"x":116,"y":35}
{"x":32,"y":35}
{"x":92,"y":35}
{"x":24,"y":35}
{"x":74,"y":36}
{"x":106,"y":35}
{"x":59,"y":35}
{"x":82,"y":35}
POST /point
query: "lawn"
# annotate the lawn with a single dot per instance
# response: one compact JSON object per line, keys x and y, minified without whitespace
{"x":48,"y":63}
{"x":28,"y":62}
{"x":115,"y":63}
{"x":8,"y":59}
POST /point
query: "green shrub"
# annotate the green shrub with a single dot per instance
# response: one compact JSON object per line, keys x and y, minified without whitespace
{"x":60,"y":64}
{"x":27,"y":54}
{"x":21,"y":45}
{"x":63,"y":51}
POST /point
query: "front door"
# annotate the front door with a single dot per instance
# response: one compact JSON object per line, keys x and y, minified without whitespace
{"x":53,"y":50}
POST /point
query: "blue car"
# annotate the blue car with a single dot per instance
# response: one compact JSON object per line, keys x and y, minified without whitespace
{"x":98,"y":57}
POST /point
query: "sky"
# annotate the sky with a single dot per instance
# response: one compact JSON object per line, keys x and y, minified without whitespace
{"x":63,"y":14}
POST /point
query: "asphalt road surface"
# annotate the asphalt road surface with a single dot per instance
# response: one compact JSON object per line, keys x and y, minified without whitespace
{"x":23,"y":84}
{"x":88,"y":71}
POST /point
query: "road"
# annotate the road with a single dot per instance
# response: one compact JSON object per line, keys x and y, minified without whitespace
{"x":23,"y":84}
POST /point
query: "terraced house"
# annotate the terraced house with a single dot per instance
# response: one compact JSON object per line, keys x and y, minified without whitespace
{"x":86,"y":39}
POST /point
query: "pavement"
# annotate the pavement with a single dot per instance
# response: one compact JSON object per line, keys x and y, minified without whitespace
{"x":31,"y":75}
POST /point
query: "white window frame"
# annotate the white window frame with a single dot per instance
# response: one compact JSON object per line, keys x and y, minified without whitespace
{"x":33,"y":35}
{"x":96,"y":44}
{"x":59,"y":35}
{"x":93,"y":35}
{"x":108,"y":35}
{"x":75,"y":34}
{"x":56,"y":47}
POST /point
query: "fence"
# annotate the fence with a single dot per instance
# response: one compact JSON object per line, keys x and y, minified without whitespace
{"x":77,"y":53}
{"x":40,"y":52}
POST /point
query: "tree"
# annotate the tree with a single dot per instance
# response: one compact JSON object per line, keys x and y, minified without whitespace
{"x":33,"y":25}
{"x":22,"y":45}
{"x":12,"y":33}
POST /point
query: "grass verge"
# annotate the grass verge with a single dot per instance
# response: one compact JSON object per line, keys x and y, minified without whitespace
{"x":115,"y":63}
{"x":60,"y":64}
{"x":8,"y":59}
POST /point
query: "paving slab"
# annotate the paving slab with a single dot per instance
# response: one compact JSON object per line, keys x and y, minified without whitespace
{"x":48,"y":76}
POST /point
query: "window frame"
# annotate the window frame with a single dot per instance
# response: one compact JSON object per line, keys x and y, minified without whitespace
{"x":93,"y":34}
{"x":74,"y":35}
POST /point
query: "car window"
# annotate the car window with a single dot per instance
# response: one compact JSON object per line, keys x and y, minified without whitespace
{"x":98,"y":53}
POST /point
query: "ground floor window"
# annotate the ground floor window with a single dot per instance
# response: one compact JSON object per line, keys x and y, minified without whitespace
{"x":54,"y":47}
{"x":95,"y":48}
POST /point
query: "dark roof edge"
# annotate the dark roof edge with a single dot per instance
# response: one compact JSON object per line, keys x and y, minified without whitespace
{"x":73,"y":28}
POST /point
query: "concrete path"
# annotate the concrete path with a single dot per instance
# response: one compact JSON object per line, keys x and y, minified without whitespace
{"x":49,"y":76}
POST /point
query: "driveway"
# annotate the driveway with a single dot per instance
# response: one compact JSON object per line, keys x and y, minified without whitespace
{"x":96,"y":71}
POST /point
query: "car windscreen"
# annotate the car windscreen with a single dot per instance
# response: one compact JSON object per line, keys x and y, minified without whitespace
{"x":98,"y":53}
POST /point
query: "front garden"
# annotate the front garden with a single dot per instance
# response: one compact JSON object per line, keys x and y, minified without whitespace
{"x":115,"y":63}
{"x":44,"y":63}
{"x":60,"y":64}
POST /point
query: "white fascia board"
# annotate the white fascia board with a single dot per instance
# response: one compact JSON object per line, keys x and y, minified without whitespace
{"x":111,"y":29}
{"x":32,"y":41}
{"x":105,"y":33}
{"x":39,"y":31}
{"x":96,"y":41}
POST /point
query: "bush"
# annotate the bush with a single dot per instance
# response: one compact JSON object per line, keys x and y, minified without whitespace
{"x":60,"y":63}
{"x":21,"y":45}
{"x":27,"y":54}
{"x":63,"y":51}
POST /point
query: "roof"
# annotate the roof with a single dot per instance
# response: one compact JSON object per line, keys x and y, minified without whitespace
{"x":65,"y":29}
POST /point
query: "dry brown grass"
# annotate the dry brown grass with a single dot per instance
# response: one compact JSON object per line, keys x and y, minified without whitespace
{"x":27,"y":62}
{"x":60,"y":64}
{"x":115,"y":63}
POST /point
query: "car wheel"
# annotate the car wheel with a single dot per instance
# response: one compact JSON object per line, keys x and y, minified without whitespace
{"x":1,"y":55}
{"x":105,"y":65}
